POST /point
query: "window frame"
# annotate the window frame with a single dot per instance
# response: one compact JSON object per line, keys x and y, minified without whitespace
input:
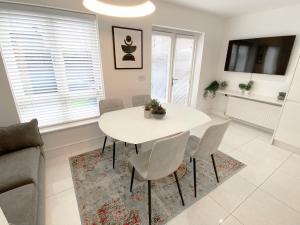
{"x":100,"y":76}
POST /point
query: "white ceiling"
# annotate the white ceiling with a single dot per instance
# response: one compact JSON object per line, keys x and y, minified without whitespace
{"x":230,"y":8}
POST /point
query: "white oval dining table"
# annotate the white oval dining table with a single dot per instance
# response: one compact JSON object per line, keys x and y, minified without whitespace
{"x":129,"y":125}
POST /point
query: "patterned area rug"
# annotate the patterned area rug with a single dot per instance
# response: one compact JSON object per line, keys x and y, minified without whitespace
{"x":104,"y":198}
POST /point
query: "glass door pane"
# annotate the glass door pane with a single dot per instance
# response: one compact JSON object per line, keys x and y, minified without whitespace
{"x":161,"y":58}
{"x":183,"y":67}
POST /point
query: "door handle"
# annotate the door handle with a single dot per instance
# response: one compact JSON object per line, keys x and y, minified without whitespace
{"x":173,"y":79}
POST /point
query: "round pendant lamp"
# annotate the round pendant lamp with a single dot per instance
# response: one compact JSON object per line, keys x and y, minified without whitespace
{"x":121,"y":8}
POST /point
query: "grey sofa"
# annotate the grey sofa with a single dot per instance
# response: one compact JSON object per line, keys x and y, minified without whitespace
{"x":22,"y":174}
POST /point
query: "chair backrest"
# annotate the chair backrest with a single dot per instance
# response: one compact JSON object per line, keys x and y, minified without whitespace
{"x":109,"y":105}
{"x":212,"y":138}
{"x":167,"y":155}
{"x":140,"y":100}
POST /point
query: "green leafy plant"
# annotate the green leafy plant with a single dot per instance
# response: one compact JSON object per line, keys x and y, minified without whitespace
{"x":154,"y":103}
{"x":249,"y":85}
{"x":281,"y":96}
{"x":242,"y":86}
{"x":159,"y":110}
{"x":246,"y":87}
{"x":212,"y":89}
{"x":148,"y":107}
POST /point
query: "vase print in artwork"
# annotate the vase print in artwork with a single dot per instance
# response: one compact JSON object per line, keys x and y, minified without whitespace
{"x":128,"y":48}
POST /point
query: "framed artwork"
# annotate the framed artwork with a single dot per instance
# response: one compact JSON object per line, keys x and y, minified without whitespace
{"x":128,"y":48}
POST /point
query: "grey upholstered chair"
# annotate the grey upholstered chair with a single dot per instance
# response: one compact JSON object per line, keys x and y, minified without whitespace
{"x":206,"y":146}
{"x":164,"y":159}
{"x":140,"y":100}
{"x":109,"y":105}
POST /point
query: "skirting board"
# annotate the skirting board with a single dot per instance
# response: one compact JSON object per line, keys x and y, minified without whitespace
{"x":88,"y":144}
{"x":286,"y":146}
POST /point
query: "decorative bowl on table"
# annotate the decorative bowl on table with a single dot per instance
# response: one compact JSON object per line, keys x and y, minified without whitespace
{"x":159,"y":112}
{"x":158,"y":116}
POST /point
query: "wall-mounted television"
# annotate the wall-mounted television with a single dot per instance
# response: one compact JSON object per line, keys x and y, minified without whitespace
{"x":268,"y":55}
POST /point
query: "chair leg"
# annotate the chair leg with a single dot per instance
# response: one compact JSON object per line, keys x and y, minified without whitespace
{"x":136,"y":149}
{"x":132,"y":177}
{"x":179,"y":189}
{"x":215,"y":168}
{"x":149,"y":201}
{"x":104,"y":143}
{"x":114,"y":154}
{"x":195,"y":177}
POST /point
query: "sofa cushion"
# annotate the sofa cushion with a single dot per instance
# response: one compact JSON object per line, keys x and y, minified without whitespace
{"x":19,"y":136}
{"x":20,"y":205}
{"x":19,"y":168}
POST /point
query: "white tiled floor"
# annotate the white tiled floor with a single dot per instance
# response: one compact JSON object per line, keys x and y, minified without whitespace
{"x":266,"y":192}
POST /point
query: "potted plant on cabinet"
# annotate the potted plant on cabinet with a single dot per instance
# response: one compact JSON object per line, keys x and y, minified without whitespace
{"x":246,"y":87}
{"x":211,"y":89}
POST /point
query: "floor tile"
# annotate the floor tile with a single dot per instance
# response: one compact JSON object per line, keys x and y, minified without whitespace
{"x":265,"y":153}
{"x":205,"y":211}
{"x":58,"y":179}
{"x":291,"y":166}
{"x":61,"y":209}
{"x":285,"y":188}
{"x":231,"y":221}
{"x":225,"y":148}
{"x":232,"y":193}
{"x":262,"y":209}
{"x":58,"y":174}
{"x":261,"y":159}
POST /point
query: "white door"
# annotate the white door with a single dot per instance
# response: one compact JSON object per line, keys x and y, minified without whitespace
{"x":172,"y":67}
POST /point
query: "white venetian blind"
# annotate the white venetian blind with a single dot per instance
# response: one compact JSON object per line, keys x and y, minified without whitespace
{"x":53,"y":63}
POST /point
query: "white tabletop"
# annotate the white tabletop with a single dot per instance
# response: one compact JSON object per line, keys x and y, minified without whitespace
{"x":129,"y":125}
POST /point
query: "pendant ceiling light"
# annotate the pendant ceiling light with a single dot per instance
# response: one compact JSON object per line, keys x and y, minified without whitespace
{"x":121,"y":8}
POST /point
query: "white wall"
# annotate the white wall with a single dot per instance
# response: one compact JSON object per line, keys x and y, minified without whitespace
{"x":284,"y":21}
{"x":125,"y":83}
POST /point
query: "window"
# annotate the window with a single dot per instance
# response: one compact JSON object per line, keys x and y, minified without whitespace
{"x":173,"y":55}
{"x":53,"y":63}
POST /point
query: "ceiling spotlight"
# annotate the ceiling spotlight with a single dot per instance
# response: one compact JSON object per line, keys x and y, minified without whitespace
{"x":120,"y":8}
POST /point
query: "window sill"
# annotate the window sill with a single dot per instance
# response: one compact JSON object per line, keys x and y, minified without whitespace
{"x":66,"y":126}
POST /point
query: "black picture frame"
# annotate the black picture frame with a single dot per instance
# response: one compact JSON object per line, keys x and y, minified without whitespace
{"x":117,"y":49}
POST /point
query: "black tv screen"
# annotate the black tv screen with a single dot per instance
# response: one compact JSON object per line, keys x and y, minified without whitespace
{"x":269,"y":55}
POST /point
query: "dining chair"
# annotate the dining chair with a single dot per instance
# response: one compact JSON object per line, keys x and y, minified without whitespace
{"x":140,"y":100}
{"x":206,"y":146}
{"x":110,"y":105}
{"x":164,"y":159}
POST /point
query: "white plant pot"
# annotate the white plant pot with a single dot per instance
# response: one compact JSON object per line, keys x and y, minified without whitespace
{"x":147,"y":114}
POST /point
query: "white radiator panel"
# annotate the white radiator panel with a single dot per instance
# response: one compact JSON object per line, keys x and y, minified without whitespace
{"x":289,"y":130}
{"x":257,"y":113}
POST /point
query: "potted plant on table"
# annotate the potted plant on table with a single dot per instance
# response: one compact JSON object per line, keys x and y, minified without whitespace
{"x":147,"y":111}
{"x":158,"y":112}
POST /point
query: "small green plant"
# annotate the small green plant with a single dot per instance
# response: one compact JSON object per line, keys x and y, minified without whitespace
{"x":148,"y":107}
{"x":159,"y":110}
{"x":212,"y":89}
{"x":246,"y":87}
{"x":281,"y":96}
{"x":242,"y":86}
{"x":154,"y":103}
{"x":249,"y":85}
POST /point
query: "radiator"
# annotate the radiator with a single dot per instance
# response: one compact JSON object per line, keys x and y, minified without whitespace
{"x":257,"y":113}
